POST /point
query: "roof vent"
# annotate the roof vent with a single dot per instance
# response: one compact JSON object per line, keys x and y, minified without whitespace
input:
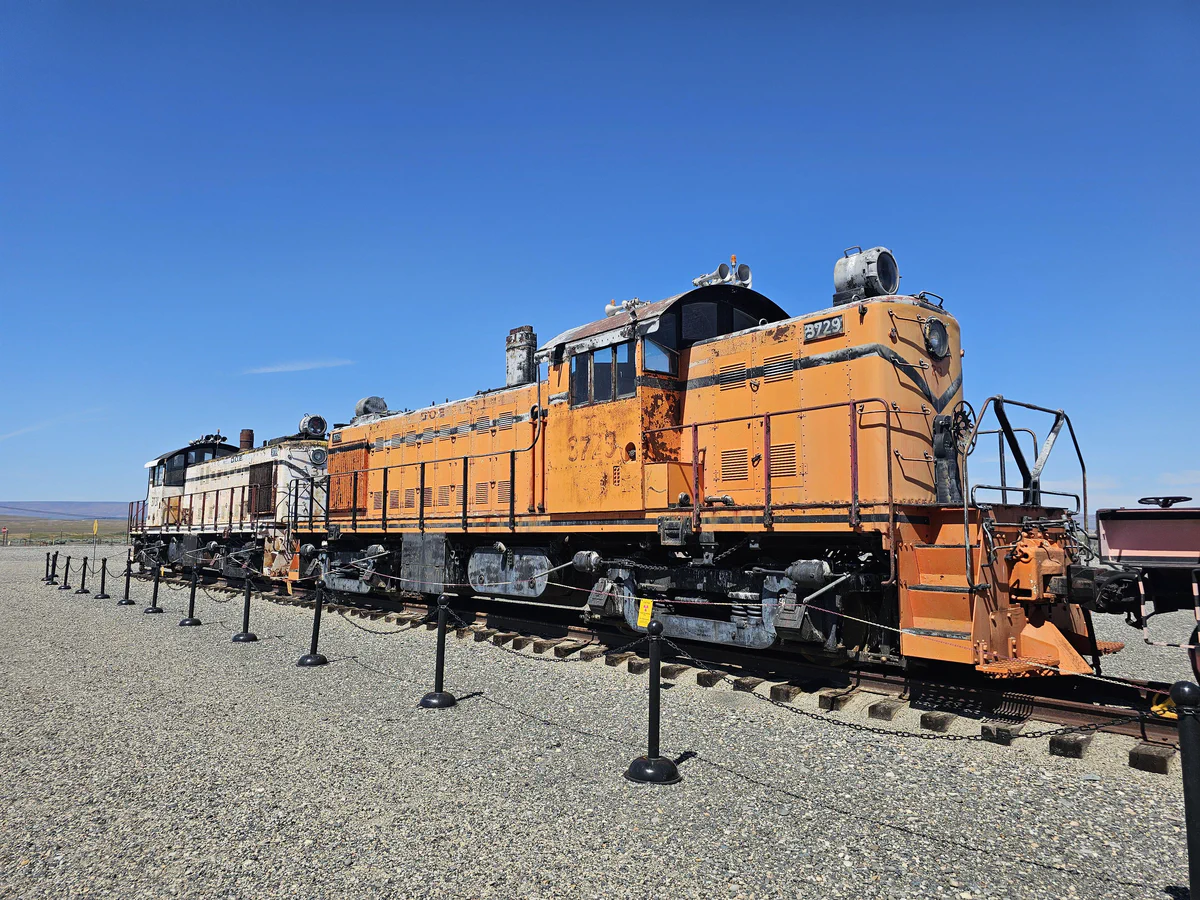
{"x":370,"y":406}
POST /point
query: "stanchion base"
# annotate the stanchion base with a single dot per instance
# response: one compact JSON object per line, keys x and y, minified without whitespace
{"x":245,"y":637}
{"x":102,"y":597}
{"x":151,"y":610}
{"x":126,"y":603}
{"x":189,"y":621}
{"x":83,"y":591}
{"x":657,"y":770}
{"x":438,"y":700}
{"x":64,"y":587}
{"x":311,"y":659}
{"x":53,"y":580}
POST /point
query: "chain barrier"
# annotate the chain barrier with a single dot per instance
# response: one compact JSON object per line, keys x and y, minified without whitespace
{"x":891,"y":732}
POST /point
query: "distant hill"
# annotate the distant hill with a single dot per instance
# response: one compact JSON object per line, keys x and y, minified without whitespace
{"x":65,"y":509}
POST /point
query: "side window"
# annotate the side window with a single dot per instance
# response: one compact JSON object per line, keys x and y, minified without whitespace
{"x":580,"y":366}
{"x":743,"y":320}
{"x":657,"y":358}
{"x":191,"y":457}
{"x":699,"y":321}
{"x":159,"y":474}
{"x":626,"y":370}
{"x":602,"y":375}
{"x":667,"y":333}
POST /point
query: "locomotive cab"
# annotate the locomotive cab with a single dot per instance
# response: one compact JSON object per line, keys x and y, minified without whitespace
{"x":167,"y":477}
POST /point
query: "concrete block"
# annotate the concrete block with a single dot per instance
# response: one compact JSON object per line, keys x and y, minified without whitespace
{"x":1154,"y":758}
{"x":674,"y":671}
{"x":1071,"y":746}
{"x":785,"y":693}
{"x":1000,"y":733}
{"x":884,"y":710}
{"x":833,"y":700}
{"x":937,"y":721}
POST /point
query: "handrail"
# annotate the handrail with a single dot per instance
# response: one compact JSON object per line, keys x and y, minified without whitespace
{"x":535,"y":418}
{"x":1030,"y":477}
{"x":856,"y":407}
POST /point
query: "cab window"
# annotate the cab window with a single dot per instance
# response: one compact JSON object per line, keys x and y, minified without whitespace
{"x":700,"y":321}
{"x":626,"y":370}
{"x":603,"y":375}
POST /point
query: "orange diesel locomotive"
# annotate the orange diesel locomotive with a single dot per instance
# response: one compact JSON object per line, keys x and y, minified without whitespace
{"x":768,"y":480}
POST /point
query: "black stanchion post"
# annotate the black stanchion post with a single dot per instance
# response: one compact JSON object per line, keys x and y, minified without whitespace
{"x":54,"y":568}
{"x":191,"y":616}
{"x":103,"y":579}
{"x":154,"y":607}
{"x":66,"y":586}
{"x":438,"y":698}
{"x":312,"y":657}
{"x":1187,"y":705}
{"x":83,"y":588}
{"x":125,"y":601}
{"x":47,"y":578}
{"x":245,"y":636}
{"x":652,"y":768}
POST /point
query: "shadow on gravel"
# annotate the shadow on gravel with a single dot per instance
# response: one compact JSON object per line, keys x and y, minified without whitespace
{"x":1177,"y":892}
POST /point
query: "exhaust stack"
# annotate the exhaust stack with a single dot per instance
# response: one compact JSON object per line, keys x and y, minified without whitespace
{"x":519,"y":349}
{"x":246,"y":439}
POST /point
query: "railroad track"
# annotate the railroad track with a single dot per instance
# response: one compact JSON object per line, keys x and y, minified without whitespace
{"x":1066,"y":701}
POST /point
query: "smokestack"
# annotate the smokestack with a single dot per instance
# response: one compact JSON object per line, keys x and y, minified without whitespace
{"x":519,"y":349}
{"x":247,"y":439}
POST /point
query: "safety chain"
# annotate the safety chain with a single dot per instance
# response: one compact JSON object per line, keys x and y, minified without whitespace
{"x":554,"y":659}
{"x":920,"y":735}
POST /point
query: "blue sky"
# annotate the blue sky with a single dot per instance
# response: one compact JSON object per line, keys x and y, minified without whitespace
{"x":227,"y":215}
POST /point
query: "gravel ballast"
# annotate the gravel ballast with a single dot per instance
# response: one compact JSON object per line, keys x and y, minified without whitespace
{"x":139,"y":759}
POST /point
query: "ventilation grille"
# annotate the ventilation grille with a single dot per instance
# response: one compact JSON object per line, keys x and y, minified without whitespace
{"x":410,"y":438}
{"x":426,"y":435}
{"x":379,"y":442}
{"x":732,"y":376}
{"x":505,"y":421}
{"x":778,"y":368}
{"x":463,"y":428}
{"x":396,"y":441}
{"x":483,"y":423}
{"x":428,"y":497}
{"x":503,"y":491}
{"x":394,"y":499}
{"x":446,"y":430}
{"x":445,"y":493}
{"x":616,"y":476}
{"x":481,"y":493}
{"x":734,"y":465}
{"x":376,"y":499}
{"x":410,"y":498}
{"x":783,"y":460}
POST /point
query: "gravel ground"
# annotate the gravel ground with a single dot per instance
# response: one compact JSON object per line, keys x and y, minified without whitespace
{"x":140,"y":759}
{"x":1139,"y":659}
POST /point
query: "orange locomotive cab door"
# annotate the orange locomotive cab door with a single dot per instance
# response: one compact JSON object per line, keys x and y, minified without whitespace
{"x":593,"y":459}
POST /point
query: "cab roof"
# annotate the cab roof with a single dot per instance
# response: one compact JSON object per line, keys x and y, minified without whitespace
{"x":643,"y":319}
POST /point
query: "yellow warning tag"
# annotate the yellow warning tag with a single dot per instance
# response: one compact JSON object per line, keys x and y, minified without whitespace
{"x":645,"y":611}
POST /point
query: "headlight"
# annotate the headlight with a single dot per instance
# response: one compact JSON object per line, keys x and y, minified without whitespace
{"x":937,"y":339}
{"x":317,"y":456}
